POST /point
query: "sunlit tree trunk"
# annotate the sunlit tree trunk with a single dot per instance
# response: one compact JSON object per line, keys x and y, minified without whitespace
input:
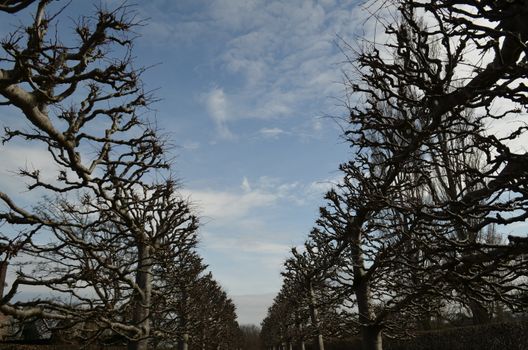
{"x":142,"y":298}
{"x":370,"y":333}
{"x":183,"y":343}
{"x":314,"y":314}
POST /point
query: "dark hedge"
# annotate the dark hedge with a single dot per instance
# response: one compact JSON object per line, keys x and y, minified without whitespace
{"x":499,"y":336}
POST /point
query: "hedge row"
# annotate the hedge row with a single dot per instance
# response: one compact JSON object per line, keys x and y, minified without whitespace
{"x":55,"y":347}
{"x":500,"y":336}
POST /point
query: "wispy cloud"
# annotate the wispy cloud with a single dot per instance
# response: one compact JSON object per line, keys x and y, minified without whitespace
{"x":242,"y":215}
{"x":245,"y":185}
{"x":217,"y":105}
{"x":191,"y":145}
{"x":225,"y":205}
{"x":247,"y":245}
{"x":319,"y":188}
{"x":29,"y":157}
{"x":271,"y":132}
{"x":233,"y":204}
{"x":282,"y":54}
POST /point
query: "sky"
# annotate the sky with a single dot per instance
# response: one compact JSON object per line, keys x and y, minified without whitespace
{"x":250,"y":95}
{"x":248,"y":89}
{"x":249,"y":92}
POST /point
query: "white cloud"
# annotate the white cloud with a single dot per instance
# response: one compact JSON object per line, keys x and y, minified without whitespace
{"x":271,"y":132}
{"x":239,"y":207}
{"x":232,"y":14}
{"x":317,"y":125}
{"x":245,"y":185}
{"x":320,"y":187}
{"x":217,"y":104}
{"x":286,"y":73}
{"x":281,"y":54}
{"x":16,"y":156}
{"x":229,"y":205}
{"x":191,"y":145}
{"x":246,"y":246}
{"x":243,"y":227}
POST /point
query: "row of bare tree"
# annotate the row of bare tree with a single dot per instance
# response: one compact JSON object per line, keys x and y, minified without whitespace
{"x":102,"y":236}
{"x":431,"y":207}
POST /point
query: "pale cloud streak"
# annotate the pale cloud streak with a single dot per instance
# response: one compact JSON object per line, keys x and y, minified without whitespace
{"x":282,"y":54}
{"x":272,"y":132}
{"x":234,"y":204}
{"x":243,"y":209}
{"x":217,"y":107}
{"x":224,"y":205}
{"x":18,"y":156}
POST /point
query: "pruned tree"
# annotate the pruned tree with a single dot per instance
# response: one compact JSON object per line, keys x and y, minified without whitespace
{"x":412,"y":97}
{"x":275,"y":325}
{"x":408,"y":217}
{"x":101,"y":266}
{"x":304,"y":284}
{"x":309,"y":306}
{"x":111,"y":222}
{"x":214,"y":314}
{"x":82,"y":101}
{"x":12,"y":6}
{"x":179,"y":281}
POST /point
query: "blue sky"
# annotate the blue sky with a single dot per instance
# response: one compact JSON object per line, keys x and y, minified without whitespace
{"x":245,"y":88}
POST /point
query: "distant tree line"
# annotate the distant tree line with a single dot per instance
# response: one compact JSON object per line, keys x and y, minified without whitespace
{"x":250,"y":335}
{"x":109,"y":243}
{"x":422,"y":229}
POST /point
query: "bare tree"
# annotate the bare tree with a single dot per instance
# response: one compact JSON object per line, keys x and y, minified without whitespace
{"x":101,"y":266}
{"x":310,"y":305}
{"x":214,"y":315}
{"x":43,"y":78}
{"x":275,"y":324}
{"x":394,"y":133}
{"x":12,"y":6}
{"x":179,"y":282}
{"x":83,"y":99}
{"x":303,"y":282}
{"x":407,"y":216}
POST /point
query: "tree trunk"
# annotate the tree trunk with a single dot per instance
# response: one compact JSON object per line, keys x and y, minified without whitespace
{"x":303,"y":346}
{"x":479,"y":313}
{"x":370,"y":333}
{"x":320,"y":341}
{"x":183,"y":344}
{"x":426,"y":322}
{"x":315,"y":318}
{"x":142,"y":300}
{"x":3,"y":273}
{"x":371,"y":338}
